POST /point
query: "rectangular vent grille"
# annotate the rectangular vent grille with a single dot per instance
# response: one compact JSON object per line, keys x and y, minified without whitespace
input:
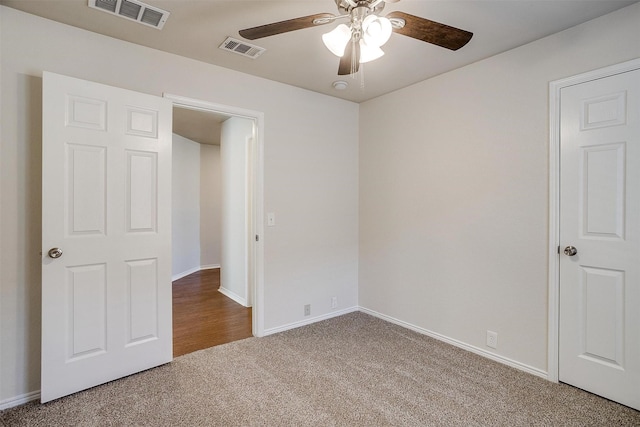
{"x":242,"y":48}
{"x":129,"y":9}
{"x":151,"y":17}
{"x":134,"y":10}
{"x":108,"y":5}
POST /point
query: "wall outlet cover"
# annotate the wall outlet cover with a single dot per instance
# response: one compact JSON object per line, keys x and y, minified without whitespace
{"x":492,"y":339}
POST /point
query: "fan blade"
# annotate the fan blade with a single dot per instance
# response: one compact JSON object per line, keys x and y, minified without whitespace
{"x":431,"y":31}
{"x":285,"y":26}
{"x":346,"y":62}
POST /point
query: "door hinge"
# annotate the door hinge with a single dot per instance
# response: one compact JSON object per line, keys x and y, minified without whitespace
{"x":258,"y":239}
{"x":558,"y":250}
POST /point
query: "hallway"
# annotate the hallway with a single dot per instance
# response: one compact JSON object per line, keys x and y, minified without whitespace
{"x":203,"y":317}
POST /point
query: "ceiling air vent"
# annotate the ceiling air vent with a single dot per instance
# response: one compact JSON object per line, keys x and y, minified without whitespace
{"x":242,"y":48}
{"x":134,"y":10}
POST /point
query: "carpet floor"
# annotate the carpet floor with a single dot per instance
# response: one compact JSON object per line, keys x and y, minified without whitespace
{"x":353,"y":370}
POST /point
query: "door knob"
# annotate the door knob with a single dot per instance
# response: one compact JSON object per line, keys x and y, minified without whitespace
{"x":570,"y":251}
{"x":55,"y":252}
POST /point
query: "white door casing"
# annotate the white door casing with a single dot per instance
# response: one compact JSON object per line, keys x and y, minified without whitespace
{"x":255,"y":199}
{"x":106,"y":203}
{"x":599,"y":287}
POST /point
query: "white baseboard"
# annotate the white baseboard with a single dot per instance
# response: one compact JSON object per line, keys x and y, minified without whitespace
{"x":184,"y":273}
{"x":230,"y":294}
{"x":479,"y":351}
{"x":19,"y":400}
{"x":193,"y":270}
{"x":309,"y":321}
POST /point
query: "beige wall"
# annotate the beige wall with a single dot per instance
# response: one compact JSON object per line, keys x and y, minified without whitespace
{"x":185,"y":206}
{"x":310,"y":175}
{"x":196,"y":206}
{"x":454,"y":191}
{"x":210,"y":206}
{"x":234,"y":155}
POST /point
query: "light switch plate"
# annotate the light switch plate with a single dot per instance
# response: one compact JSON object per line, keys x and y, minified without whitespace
{"x":271,"y":219}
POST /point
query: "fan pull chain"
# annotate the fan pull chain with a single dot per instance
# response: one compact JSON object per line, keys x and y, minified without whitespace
{"x":356,"y":68}
{"x":354,"y":59}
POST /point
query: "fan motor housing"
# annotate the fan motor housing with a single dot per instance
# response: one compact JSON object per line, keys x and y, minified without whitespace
{"x":346,"y":6}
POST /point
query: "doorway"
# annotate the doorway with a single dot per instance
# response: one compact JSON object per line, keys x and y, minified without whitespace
{"x":594,"y":282}
{"x":229,"y":145}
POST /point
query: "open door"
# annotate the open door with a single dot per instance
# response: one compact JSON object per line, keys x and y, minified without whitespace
{"x":106,"y":234}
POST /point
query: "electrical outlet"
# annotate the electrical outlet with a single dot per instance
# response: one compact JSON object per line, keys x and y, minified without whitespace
{"x":334,"y":302}
{"x":492,"y":339}
{"x":307,"y":310}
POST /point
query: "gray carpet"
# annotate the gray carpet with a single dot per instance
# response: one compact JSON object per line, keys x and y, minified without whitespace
{"x":354,"y":370}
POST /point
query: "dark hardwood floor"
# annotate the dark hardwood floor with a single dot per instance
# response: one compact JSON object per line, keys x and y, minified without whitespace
{"x":203,"y":317}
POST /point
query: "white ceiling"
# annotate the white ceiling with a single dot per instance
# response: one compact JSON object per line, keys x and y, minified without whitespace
{"x":199,"y":126}
{"x":196,"y":28}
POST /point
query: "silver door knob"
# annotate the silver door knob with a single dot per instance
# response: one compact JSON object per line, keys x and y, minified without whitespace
{"x":55,"y":252}
{"x":570,"y":251}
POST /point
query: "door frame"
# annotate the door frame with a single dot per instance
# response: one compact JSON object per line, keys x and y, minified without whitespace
{"x":256,"y":177}
{"x":555,"y":87}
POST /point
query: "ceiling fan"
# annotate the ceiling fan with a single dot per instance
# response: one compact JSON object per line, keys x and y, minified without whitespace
{"x":360,"y":40}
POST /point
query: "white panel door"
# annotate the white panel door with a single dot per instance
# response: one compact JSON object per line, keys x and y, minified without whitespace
{"x":599,"y":336}
{"x":106,"y":204}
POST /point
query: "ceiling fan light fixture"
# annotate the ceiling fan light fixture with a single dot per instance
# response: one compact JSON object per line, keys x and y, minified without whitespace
{"x":337,"y":39}
{"x":376,"y":30}
{"x":369,"y":52}
{"x":365,"y":33}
